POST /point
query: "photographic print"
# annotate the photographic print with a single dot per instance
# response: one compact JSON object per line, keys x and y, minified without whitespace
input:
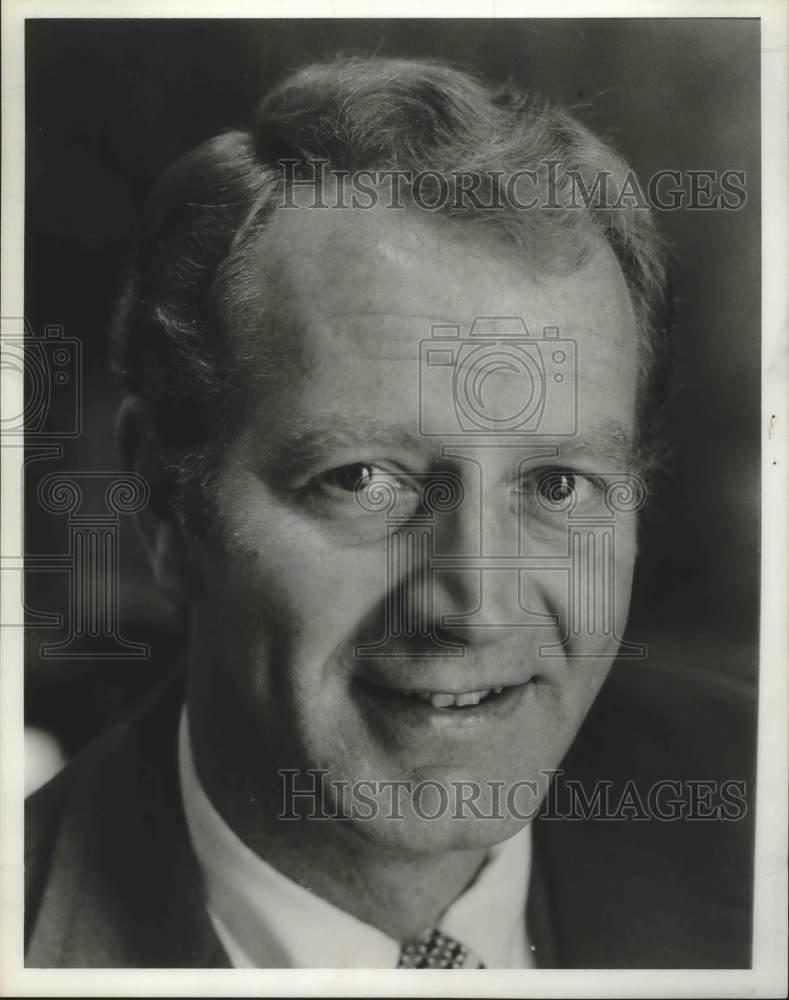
{"x":395,"y":423}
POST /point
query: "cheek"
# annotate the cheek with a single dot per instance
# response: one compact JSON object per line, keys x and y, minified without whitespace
{"x":286,"y":590}
{"x":590,"y":597}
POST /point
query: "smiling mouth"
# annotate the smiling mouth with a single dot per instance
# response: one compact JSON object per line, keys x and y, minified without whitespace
{"x":447,"y":699}
{"x":444,"y":702}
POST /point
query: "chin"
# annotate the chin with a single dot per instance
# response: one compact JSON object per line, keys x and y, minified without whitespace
{"x":413,"y":836}
{"x":440,"y":809}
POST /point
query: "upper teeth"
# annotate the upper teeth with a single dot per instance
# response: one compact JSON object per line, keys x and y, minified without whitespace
{"x":441,"y":699}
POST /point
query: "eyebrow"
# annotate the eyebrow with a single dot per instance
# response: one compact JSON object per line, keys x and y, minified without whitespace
{"x":612,"y":442}
{"x":309,"y":441}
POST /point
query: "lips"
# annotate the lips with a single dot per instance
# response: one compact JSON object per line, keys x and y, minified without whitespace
{"x":448,"y":699}
{"x":404,"y":717}
{"x":442,"y":687}
{"x":434,"y":695}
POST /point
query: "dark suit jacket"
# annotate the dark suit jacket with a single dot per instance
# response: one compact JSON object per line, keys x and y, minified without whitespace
{"x":112,"y":881}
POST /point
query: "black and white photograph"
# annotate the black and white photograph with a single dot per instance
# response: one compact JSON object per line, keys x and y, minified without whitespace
{"x":394,"y":501}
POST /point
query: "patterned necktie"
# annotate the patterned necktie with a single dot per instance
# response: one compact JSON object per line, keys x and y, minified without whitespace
{"x":436,"y":950}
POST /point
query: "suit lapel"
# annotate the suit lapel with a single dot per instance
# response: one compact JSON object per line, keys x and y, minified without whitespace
{"x":540,"y":919}
{"x":616,"y":892}
{"x":124,"y":888}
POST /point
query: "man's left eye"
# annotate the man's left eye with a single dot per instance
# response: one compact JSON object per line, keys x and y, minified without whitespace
{"x":556,"y":490}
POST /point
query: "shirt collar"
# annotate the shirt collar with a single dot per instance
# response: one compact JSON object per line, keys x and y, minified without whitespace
{"x":266,"y":920}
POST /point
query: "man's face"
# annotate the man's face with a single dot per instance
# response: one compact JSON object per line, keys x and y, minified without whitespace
{"x":343,"y":649}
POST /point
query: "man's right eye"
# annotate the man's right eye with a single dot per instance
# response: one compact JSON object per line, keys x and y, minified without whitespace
{"x":352,"y":478}
{"x":363,"y":488}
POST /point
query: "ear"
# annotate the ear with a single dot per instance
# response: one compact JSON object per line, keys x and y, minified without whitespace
{"x":169,"y":547}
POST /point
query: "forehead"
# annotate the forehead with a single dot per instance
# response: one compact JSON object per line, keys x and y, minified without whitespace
{"x":344,"y":298}
{"x":333,"y":260}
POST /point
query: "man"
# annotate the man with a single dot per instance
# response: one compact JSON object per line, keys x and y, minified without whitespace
{"x":392,"y":360}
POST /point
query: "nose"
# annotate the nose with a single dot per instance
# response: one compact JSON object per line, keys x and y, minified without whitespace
{"x":477,"y":607}
{"x":477,"y":587}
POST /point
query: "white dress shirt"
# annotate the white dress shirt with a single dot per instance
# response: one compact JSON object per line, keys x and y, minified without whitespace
{"x":266,"y":920}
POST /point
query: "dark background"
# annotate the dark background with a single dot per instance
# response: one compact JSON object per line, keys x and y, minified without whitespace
{"x":111,"y":102}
